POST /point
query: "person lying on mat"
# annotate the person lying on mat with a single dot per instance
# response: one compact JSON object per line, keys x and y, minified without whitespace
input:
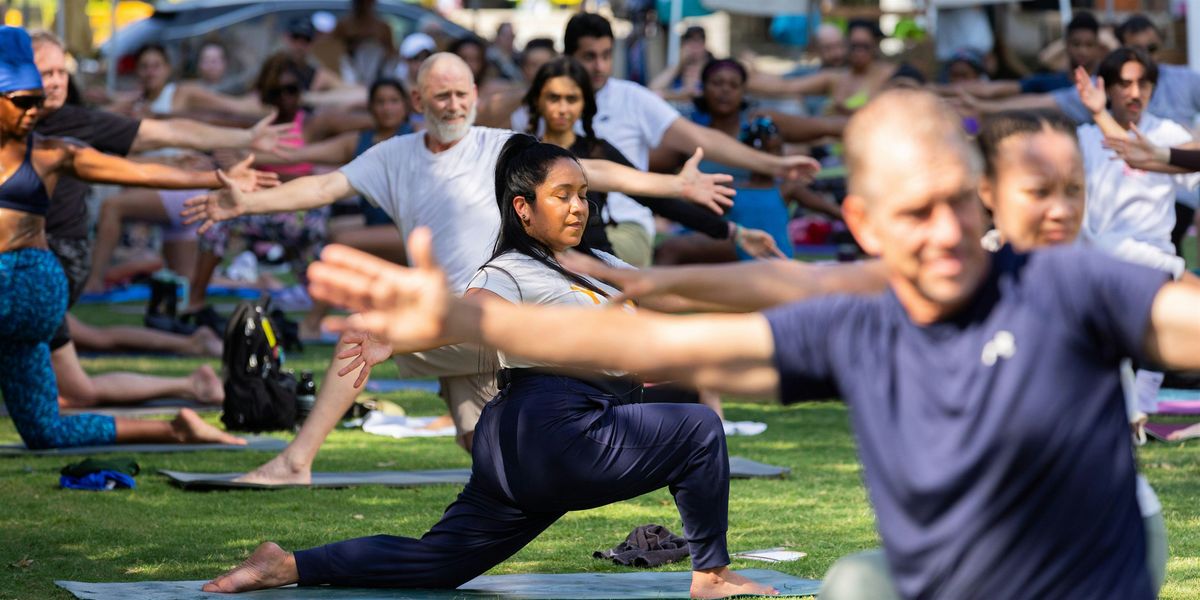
{"x":992,"y":431}
{"x":552,"y":440}
{"x":33,"y":289}
{"x":1032,"y":184}
{"x":442,"y":178}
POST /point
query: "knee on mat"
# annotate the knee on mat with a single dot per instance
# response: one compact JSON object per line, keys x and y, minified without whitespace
{"x":862,"y":576}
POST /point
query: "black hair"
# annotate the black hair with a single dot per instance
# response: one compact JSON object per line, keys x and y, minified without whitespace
{"x":541,"y":42}
{"x":712,"y":66}
{"x":585,"y":25}
{"x":1083,"y":21}
{"x":872,"y":27}
{"x":272,"y":71}
{"x":696,"y":32}
{"x":563,"y":66}
{"x":1002,"y":125}
{"x":907,"y":71}
{"x":151,"y":47}
{"x":383,"y":82}
{"x":523,"y":165}
{"x":1110,"y":67}
{"x":467,"y":41}
{"x":1134,"y":25}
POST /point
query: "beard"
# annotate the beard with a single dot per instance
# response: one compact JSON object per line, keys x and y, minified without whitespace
{"x":445,"y":132}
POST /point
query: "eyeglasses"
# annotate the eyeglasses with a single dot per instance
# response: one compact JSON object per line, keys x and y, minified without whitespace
{"x":861,"y":46}
{"x":26,"y":101}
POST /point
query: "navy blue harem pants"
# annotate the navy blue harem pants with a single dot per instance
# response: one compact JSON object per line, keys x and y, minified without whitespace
{"x":549,"y":444}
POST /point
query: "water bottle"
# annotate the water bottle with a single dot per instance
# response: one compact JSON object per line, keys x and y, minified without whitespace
{"x":306,"y":395}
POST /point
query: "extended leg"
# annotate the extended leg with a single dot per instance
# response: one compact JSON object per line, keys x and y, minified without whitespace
{"x":476,"y":533}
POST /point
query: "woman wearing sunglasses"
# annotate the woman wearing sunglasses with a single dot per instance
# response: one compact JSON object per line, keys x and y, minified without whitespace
{"x":33,"y":289}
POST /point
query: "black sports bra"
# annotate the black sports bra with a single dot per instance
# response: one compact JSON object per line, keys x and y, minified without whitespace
{"x":24,"y":191}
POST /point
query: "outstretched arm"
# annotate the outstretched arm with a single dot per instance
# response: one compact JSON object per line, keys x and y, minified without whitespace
{"x":1173,"y":338}
{"x":690,"y":184}
{"x":333,"y":151}
{"x":685,"y":136}
{"x":730,"y":353}
{"x":229,"y":202}
{"x":798,"y":130}
{"x":89,"y":164}
{"x":741,"y":287}
{"x":819,"y":83}
{"x":186,"y":133}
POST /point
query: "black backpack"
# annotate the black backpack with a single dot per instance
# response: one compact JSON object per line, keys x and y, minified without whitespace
{"x":259,"y":395}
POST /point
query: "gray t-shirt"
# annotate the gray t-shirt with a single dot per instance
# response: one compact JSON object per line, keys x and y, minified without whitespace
{"x":452,"y":192}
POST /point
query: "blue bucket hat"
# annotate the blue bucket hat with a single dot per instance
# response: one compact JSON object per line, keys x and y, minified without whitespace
{"x":17,"y":69}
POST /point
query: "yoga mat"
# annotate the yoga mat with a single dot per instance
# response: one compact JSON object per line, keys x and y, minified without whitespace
{"x":216,"y":481}
{"x":380,"y":386}
{"x":165,"y":406}
{"x":1160,"y":431}
{"x":1170,"y":394}
{"x":744,"y":468}
{"x":256,"y":442}
{"x":1179,"y":407}
{"x":584,"y":586}
{"x":140,"y":292}
{"x":739,"y":468}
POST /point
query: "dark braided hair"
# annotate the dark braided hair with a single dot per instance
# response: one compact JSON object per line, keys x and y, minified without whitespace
{"x":563,"y":66}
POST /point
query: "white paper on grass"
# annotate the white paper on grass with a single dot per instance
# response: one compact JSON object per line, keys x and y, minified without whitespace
{"x":772,"y":555}
{"x":403,"y":426}
{"x":743,"y":427}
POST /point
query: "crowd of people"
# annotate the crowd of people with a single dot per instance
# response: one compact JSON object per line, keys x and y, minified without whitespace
{"x":520,"y":225}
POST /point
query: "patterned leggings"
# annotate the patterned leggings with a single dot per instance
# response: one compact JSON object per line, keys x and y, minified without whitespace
{"x":33,"y":299}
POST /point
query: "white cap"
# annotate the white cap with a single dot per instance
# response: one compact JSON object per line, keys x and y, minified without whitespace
{"x":324,"y":21}
{"x":417,"y":43}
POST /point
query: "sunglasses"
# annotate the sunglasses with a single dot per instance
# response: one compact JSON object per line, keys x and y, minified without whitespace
{"x":290,"y":89}
{"x":26,"y":102}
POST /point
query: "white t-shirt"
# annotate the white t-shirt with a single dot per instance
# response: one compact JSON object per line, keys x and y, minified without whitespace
{"x":1130,"y":212}
{"x":519,"y":278}
{"x":451,"y":192}
{"x":633,"y":119}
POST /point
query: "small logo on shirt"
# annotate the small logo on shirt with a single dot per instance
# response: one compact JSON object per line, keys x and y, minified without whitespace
{"x":1003,"y":345}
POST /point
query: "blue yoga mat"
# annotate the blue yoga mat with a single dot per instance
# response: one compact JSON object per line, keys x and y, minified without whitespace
{"x":584,"y":586}
{"x":140,"y":292}
{"x":1176,"y":394}
{"x":381,"y":386}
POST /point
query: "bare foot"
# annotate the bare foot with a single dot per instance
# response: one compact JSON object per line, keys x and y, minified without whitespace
{"x":1185,"y":434}
{"x":206,"y":385}
{"x":268,"y":567}
{"x":441,"y":422}
{"x":191,"y":429}
{"x":205,"y":343}
{"x":722,"y":582}
{"x":279,"y":470}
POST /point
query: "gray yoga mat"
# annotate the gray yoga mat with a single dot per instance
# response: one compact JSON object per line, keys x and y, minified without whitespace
{"x":584,"y":586}
{"x":739,"y":468}
{"x":211,"y":481}
{"x":744,"y":468}
{"x":254,"y":442}
{"x":165,"y":406}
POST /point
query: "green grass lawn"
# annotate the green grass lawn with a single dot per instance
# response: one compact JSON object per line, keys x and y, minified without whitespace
{"x":158,"y":532}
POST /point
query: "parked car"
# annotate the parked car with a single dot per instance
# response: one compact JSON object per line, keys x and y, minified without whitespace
{"x":249,"y":29}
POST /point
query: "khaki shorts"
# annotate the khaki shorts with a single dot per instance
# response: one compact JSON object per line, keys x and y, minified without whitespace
{"x":631,"y":243}
{"x":467,"y":374}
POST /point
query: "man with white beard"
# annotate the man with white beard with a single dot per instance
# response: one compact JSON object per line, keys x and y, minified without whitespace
{"x":443,"y":179}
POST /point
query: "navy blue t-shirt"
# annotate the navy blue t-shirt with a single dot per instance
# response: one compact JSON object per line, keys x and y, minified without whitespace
{"x":1043,"y":83}
{"x":995,"y":444}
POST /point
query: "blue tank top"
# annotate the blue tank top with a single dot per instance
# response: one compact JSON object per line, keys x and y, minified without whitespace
{"x":24,"y":191}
